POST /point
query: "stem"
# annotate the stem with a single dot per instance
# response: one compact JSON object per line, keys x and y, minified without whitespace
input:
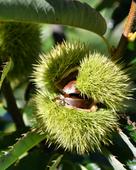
{"x":11,"y":105}
{"x":129,"y":28}
{"x":107,"y":44}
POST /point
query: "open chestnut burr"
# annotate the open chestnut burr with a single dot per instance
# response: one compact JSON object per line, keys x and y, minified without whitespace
{"x":72,"y":97}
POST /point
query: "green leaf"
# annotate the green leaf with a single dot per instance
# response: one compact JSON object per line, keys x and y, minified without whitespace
{"x":64,"y":12}
{"x":116,"y":164}
{"x":83,"y":167}
{"x":92,"y":166}
{"x":36,"y":159}
{"x":132,"y":131}
{"x":27,"y":142}
{"x":129,"y":144}
{"x":132,"y":164}
{"x":5,"y":71}
{"x":56,"y":163}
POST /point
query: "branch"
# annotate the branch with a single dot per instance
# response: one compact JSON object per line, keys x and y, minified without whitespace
{"x":11,"y":105}
{"x":129,"y":29}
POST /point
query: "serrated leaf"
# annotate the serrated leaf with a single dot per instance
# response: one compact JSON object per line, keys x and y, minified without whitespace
{"x":36,"y":159}
{"x":115,"y":163}
{"x":132,"y":131}
{"x":83,"y":167}
{"x":129,"y":127}
{"x":92,"y":166}
{"x":129,"y":144}
{"x":56,"y":163}
{"x":8,"y":139}
{"x":133,"y":135}
{"x":98,"y":161}
{"x":5,"y":71}
{"x":23,"y":145}
{"x":132,"y":164}
{"x":64,"y":12}
{"x":120,"y":148}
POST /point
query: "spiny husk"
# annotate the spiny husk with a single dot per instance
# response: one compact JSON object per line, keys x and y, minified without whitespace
{"x":21,"y":42}
{"x":98,"y":78}
{"x":57,"y":65}
{"x":104,"y":81}
{"x":74,"y":129}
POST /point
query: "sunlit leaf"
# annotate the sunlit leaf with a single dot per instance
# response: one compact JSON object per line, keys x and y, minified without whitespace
{"x":56,"y":163}
{"x":83,"y":167}
{"x":92,"y":166}
{"x":129,"y":144}
{"x":115,"y":163}
{"x":132,"y":131}
{"x":24,"y":144}
{"x":132,"y":164}
{"x":64,"y":12}
{"x":36,"y":159}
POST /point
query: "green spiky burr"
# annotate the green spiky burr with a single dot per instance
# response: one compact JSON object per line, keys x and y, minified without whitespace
{"x":74,"y":129}
{"x":21,"y":42}
{"x":97,"y":79}
{"x":53,"y":69}
{"x":104,"y":81}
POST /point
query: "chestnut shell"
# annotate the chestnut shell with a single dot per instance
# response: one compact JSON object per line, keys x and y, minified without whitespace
{"x":72,"y":97}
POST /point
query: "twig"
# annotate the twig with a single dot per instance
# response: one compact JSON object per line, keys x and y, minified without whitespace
{"x":11,"y":105}
{"x":129,"y":28}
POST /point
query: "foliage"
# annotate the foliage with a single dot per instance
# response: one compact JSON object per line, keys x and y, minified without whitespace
{"x":22,"y":146}
{"x":99,"y":135}
{"x":56,"y":163}
{"x":25,"y":53}
{"x":50,"y":11}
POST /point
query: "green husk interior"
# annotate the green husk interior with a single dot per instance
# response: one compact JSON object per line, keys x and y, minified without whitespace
{"x":104,"y":81}
{"x":57,"y":65}
{"x":21,"y":42}
{"x":74,"y":129}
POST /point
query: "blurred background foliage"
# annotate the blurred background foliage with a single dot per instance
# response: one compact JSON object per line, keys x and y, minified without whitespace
{"x":115,"y":12}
